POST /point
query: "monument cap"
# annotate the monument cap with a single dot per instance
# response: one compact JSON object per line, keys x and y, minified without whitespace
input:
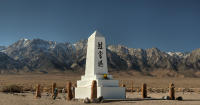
{"x":96,"y":34}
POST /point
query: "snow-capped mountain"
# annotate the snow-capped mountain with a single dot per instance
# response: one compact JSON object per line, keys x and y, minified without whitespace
{"x":2,"y":48}
{"x":178,"y":54}
{"x":38,"y":53}
{"x":42,"y":55}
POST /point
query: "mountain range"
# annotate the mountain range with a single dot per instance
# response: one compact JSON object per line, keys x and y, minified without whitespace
{"x":39,"y":55}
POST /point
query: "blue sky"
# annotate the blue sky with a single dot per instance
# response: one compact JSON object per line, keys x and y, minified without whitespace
{"x":170,"y":25}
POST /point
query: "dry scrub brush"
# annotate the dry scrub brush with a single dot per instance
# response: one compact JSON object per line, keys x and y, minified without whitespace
{"x":12,"y":89}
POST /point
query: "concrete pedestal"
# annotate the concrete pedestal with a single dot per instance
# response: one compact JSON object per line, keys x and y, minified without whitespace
{"x":109,"y":89}
{"x":106,"y":92}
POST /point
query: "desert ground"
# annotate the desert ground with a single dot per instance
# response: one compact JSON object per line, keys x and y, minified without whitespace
{"x":188,"y":88}
{"x":46,"y":80}
{"x":29,"y":99}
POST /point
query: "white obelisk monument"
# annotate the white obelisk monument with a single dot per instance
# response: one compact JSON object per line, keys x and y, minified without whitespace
{"x":96,"y":69}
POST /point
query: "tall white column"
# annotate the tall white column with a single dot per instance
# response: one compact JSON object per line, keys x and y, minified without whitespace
{"x":96,"y":61}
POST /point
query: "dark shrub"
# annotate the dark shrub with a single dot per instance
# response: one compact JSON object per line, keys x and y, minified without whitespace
{"x":12,"y":89}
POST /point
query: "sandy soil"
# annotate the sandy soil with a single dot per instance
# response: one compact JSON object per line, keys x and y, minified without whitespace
{"x":28,"y":99}
{"x":30,"y":80}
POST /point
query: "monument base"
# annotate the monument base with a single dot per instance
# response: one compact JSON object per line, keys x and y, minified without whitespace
{"x":96,"y":69}
{"x":108,"y":88}
{"x":106,"y":92}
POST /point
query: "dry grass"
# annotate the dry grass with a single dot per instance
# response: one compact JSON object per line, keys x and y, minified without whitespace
{"x":154,"y":84}
{"x":12,"y":89}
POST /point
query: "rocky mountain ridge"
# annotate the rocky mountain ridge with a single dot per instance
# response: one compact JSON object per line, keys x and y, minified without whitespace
{"x":2,"y":48}
{"x":45,"y":56}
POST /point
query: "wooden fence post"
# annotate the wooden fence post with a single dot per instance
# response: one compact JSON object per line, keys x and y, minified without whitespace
{"x":123,"y":85}
{"x":94,"y":89}
{"x":172,"y":91}
{"x":73,"y":89}
{"x":144,"y":90}
{"x":53,"y":88}
{"x":69,"y":91}
{"x":132,"y":86}
{"x":38,"y":93}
